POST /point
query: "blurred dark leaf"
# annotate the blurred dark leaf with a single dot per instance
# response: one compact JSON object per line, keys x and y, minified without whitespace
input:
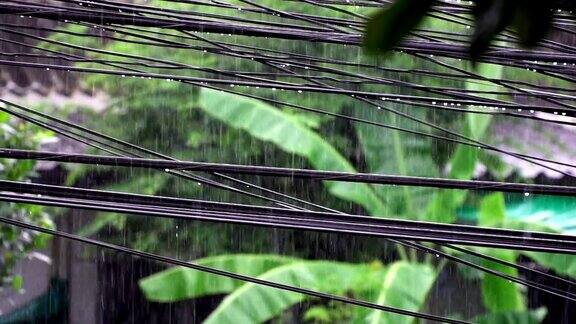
{"x":490,"y":18}
{"x":389,"y":26}
{"x":532,"y":21}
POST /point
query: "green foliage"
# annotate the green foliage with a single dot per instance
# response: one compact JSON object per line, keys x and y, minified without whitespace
{"x":318,"y":314}
{"x":16,"y":242}
{"x":389,"y":151}
{"x":17,"y":282}
{"x":270,"y":124}
{"x":146,"y":184}
{"x":253,"y":303}
{"x":187,"y":122}
{"x":181,"y":283}
{"x":402,"y":284}
{"x":331,"y":312}
{"x":537,"y":214}
{"x":543,"y":214}
{"x":463,"y":161}
{"x":563,"y":264}
{"x":388,"y":26}
{"x":522,"y":317}
{"x":531,"y":19}
{"x":498,"y":294}
{"x":492,"y":210}
{"x":405,"y":286}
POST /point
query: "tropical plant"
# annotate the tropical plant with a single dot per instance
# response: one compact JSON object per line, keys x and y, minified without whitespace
{"x":400,"y":284}
{"x":498,"y":295}
{"x":17,"y":243}
{"x":196,"y":123}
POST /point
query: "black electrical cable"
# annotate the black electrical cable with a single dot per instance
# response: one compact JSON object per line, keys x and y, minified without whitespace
{"x":106,"y":147}
{"x":535,"y":285}
{"x":160,"y":11}
{"x":399,"y":242}
{"x":244,"y":74}
{"x":428,"y":48}
{"x":441,"y":90}
{"x":335,"y":223}
{"x":465,"y":99}
{"x":508,"y":264}
{"x":480,"y":144}
{"x":228,"y":274}
{"x":528,"y":158}
{"x":268,"y":171}
{"x":175,"y":205}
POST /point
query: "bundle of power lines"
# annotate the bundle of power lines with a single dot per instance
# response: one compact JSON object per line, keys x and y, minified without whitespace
{"x":195,"y":30}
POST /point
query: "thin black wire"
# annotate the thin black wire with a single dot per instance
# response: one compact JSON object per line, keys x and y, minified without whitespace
{"x":535,"y":285}
{"x":509,"y":264}
{"x":475,"y":142}
{"x":443,"y":91}
{"x":170,"y":204}
{"x":87,"y":140}
{"x":293,"y":219}
{"x":499,"y":150}
{"x":237,"y":208}
{"x":177,"y":65}
{"x":465,"y":99}
{"x":268,"y":171}
{"x":453,"y":51}
{"x":400,"y":242}
{"x":228,"y":274}
{"x":161,"y":12}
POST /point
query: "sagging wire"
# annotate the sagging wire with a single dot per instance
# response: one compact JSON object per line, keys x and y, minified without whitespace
{"x":293,"y":219}
{"x":228,"y":274}
{"x":279,"y":172}
{"x":208,"y":215}
{"x":148,"y":199}
{"x":219,"y":27}
{"x":474,"y":142}
{"x":236,"y":207}
{"x":202,"y":81}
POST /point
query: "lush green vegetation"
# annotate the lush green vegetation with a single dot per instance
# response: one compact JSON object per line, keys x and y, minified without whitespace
{"x":201,"y":124}
{"x":17,"y":243}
